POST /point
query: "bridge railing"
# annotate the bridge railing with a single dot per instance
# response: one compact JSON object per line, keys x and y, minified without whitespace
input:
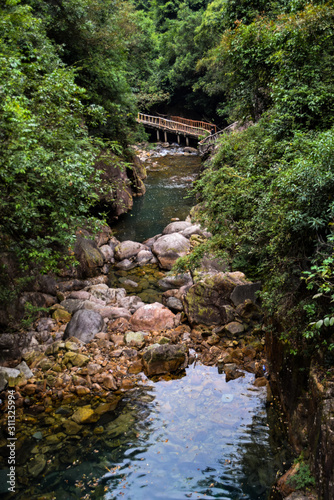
{"x":210,"y":140}
{"x":195,"y":123}
{"x":170,"y":125}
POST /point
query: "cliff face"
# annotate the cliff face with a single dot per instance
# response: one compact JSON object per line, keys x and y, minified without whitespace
{"x":122,"y":181}
{"x":308,"y":401}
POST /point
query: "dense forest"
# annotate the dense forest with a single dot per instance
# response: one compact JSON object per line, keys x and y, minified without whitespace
{"x":74,"y":74}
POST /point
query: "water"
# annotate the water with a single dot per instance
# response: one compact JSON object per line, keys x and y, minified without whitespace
{"x":168,"y":185}
{"x":194,"y":437}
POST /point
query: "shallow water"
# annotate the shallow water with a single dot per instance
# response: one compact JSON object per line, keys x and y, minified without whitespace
{"x":194,"y":437}
{"x":168,"y":187}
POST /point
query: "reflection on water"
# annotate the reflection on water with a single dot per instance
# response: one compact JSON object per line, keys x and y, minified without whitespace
{"x":168,"y":184}
{"x":201,"y":439}
{"x":194,"y":437}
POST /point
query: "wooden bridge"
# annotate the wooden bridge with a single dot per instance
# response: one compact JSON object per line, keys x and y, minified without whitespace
{"x":177,"y":125}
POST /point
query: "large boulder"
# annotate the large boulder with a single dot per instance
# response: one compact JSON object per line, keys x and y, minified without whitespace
{"x":207,"y":302}
{"x":159,"y":359}
{"x":176,"y":227}
{"x":152,"y":317}
{"x":84,"y":325}
{"x":127,"y":249}
{"x":89,"y":256}
{"x":169,"y":248}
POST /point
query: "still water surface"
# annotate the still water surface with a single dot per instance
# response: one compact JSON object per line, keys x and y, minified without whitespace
{"x":168,"y":186}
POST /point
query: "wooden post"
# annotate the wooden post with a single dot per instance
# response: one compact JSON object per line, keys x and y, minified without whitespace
{"x":178,"y":138}
{"x":165,"y":132}
{"x":187,"y":140}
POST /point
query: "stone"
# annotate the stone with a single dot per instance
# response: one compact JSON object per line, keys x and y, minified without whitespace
{"x":109,"y":382}
{"x":177,"y":281}
{"x":84,"y":325}
{"x":169,"y":248}
{"x":85,"y":415}
{"x":205,"y":301}
{"x":36,"y":465}
{"x":159,"y":359}
{"x":134,"y":338}
{"x":174,"y":304}
{"x":71,"y":428}
{"x":144,"y":256}
{"x":100,"y":291}
{"x":127,"y":249}
{"x":131,"y":303}
{"x":125,"y":265}
{"x":25,"y":370}
{"x":234,"y":328}
{"x":152,"y":317}
{"x":11,"y":376}
{"x":176,"y":227}
{"x":89,"y":257}
{"x":61,"y":315}
{"x":108,"y":253}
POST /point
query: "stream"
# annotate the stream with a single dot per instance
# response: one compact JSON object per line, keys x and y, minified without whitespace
{"x":192,"y":436}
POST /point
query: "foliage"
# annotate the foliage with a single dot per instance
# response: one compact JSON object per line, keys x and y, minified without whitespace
{"x":303,"y":477}
{"x":46,"y":169}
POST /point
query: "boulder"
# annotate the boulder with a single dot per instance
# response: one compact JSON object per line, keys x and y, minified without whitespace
{"x":108,"y":253}
{"x":176,"y":227}
{"x":89,"y":256}
{"x":144,"y":256}
{"x":152,"y":317}
{"x":127,"y":249}
{"x":159,"y":359}
{"x":84,"y":325}
{"x":132,"y":303}
{"x":125,"y":265}
{"x":169,"y":248}
{"x":206,"y":300}
{"x":177,"y":281}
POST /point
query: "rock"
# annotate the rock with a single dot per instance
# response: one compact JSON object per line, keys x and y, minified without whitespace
{"x":109,"y":382}
{"x":159,"y":359}
{"x":125,"y":265}
{"x":25,"y":370}
{"x":36,"y":465}
{"x":75,"y":359}
{"x":85,"y":415}
{"x":174,"y":304}
{"x":152,"y":317}
{"x":71,"y":428}
{"x":188,"y":149}
{"x":177,"y":281}
{"x":131,"y":303}
{"x":176,"y":227}
{"x":134,"y":338}
{"x":61,"y":315}
{"x":234,"y":328}
{"x":206,"y":300}
{"x":11,"y":376}
{"x":84,"y":325}
{"x":144,"y":256}
{"x":108,"y":254}
{"x":100,"y":291}
{"x":248,"y":310}
{"x":128,"y":249}
{"x":89,"y":256}
{"x":120,"y":325}
{"x":169,"y":248}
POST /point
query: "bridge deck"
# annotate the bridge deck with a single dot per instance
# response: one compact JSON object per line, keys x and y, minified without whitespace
{"x":178,"y":125}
